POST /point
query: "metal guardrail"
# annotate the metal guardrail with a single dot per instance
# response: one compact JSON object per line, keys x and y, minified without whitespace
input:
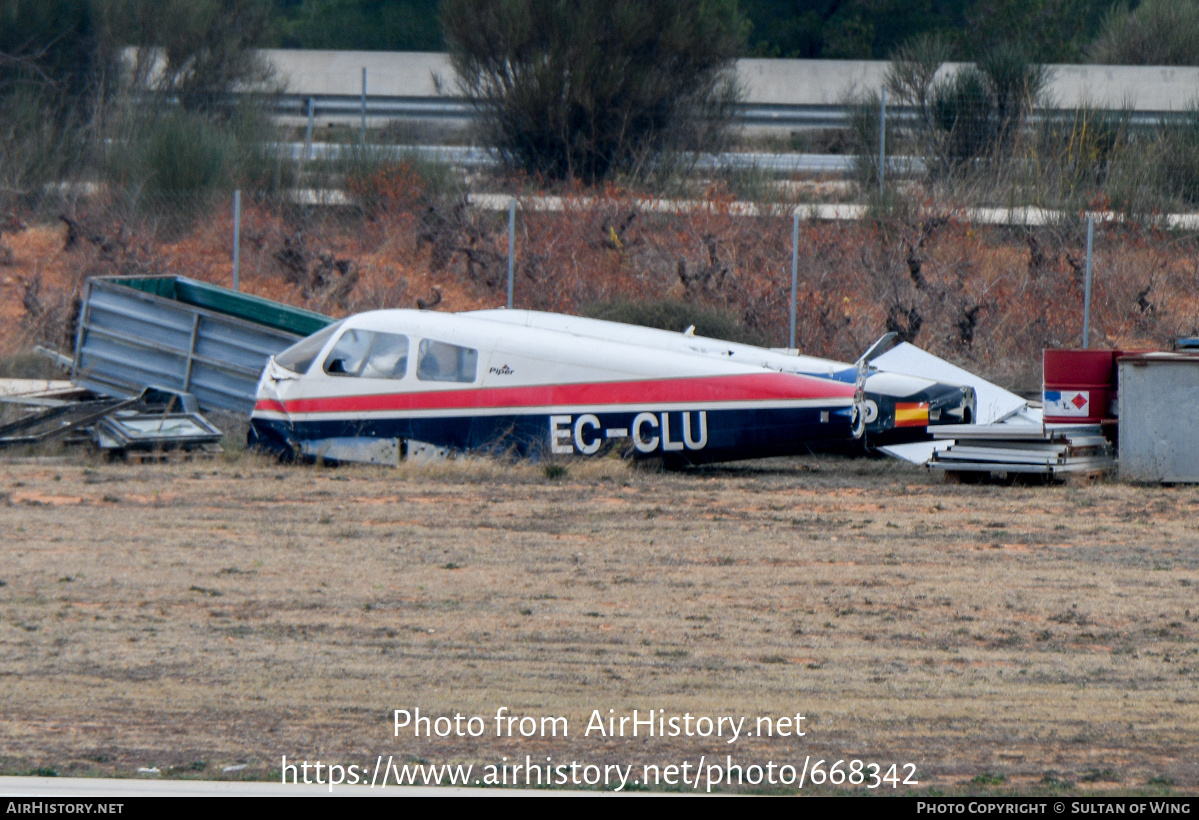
{"x":349,"y":108}
{"x":343,"y":106}
{"x":474,"y":157}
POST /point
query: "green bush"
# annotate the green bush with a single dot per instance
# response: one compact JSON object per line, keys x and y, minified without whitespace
{"x":1178,"y":157}
{"x":259,"y":166}
{"x":971,"y":117}
{"x":964,"y":114}
{"x":38,"y":144}
{"x":185,"y":153}
{"x":864,"y":114}
{"x":177,"y":160}
{"x":1015,"y":84}
{"x":28,"y":366}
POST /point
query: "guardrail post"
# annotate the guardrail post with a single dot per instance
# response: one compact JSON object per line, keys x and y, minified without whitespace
{"x":882,"y":141}
{"x":308,"y":132}
{"x":364,"y":105}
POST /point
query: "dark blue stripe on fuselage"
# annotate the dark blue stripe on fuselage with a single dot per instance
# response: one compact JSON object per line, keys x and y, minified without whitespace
{"x":730,"y":434}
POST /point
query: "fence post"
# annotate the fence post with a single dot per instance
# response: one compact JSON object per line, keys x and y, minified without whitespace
{"x":236,"y":238}
{"x":882,"y":141}
{"x":1086,"y":299}
{"x":308,"y":132}
{"x":511,"y":246}
{"x":794,"y":270}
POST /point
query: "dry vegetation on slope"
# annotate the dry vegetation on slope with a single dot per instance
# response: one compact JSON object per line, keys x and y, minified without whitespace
{"x":990,"y":298}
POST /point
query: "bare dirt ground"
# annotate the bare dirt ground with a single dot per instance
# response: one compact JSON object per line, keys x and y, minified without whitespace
{"x":194,"y":616}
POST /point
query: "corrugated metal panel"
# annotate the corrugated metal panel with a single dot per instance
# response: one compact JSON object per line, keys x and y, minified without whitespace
{"x":131,"y":337}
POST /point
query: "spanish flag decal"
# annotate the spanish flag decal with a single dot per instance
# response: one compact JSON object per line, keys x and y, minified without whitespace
{"x":911,"y":414}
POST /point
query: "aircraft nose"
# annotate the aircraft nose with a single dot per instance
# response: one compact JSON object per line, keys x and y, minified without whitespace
{"x":271,"y":388}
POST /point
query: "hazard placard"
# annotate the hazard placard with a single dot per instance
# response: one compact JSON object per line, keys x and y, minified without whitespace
{"x":1068,"y":403}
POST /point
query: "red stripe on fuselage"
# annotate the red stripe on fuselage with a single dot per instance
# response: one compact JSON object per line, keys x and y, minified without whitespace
{"x":764,"y":387}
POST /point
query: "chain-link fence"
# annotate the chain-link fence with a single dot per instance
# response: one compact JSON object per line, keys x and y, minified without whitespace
{"x":988,"y":296}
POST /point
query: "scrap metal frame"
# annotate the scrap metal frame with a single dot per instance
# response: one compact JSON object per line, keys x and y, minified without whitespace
{"x":128,"y":339}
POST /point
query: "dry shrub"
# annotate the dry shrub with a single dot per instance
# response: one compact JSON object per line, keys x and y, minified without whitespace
{"x":49,"y":314}
{"x":676,"y":315}
{"x":388,"y":190}
{"x":621,"y":245}
{"x":494,"y":470}
{"x":51,"y":283}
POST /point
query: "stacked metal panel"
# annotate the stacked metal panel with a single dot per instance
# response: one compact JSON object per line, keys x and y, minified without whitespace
{"x":1024,"y":448}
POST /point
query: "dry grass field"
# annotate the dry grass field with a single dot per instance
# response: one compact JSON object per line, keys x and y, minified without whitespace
{"x":195,"y":616}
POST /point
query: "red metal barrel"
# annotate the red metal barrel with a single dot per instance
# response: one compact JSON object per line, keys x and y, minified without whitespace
{"x":1080,"y":386}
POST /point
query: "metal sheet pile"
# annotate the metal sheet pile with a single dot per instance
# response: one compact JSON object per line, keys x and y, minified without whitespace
{"x":1013,"y":449}
{"x":153,"y":422}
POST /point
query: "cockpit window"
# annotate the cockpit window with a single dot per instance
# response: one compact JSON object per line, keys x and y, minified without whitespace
{"x":368,"y":354}
{"x":300,"y":356}
{"x":443,"y":362}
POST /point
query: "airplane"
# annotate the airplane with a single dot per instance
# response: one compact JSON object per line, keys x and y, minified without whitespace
{"x":468,"y":383}
{"x":897,"y":408}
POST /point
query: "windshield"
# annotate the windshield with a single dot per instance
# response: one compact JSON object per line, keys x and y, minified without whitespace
{"x":300,"y":356}
{"x":369,"y":354}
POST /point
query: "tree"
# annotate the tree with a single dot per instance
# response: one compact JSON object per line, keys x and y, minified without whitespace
{"x":1047,"y":31}
{"x":369,"y":25}
{"x":196,"y":50}
{"x":572,"y":89}
{"x":1156,"y":32}
{"x":48,"y":44}
{"x":844,"y":29}
{"x":970,"y":114}
{"x":54,"y":64}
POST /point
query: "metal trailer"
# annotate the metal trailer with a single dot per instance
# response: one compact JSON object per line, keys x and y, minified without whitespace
{"x":179,"y":334}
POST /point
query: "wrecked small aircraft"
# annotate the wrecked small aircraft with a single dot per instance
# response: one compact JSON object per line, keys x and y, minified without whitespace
{"x":392,"y":378}
{"x":897,"y":408}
